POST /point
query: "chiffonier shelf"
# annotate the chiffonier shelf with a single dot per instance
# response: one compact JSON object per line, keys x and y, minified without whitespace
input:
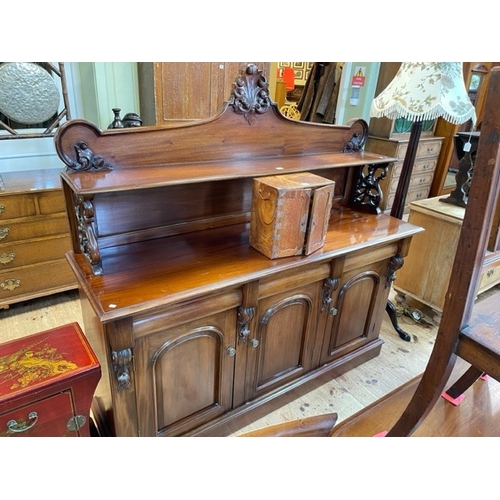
{"x":34,"y":236}
{"x":198,"y":333}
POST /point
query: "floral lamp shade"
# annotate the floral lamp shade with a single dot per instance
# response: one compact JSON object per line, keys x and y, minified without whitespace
{"x":424,"y":91}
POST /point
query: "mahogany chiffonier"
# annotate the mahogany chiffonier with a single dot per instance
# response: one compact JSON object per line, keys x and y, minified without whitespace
{"x":199,"y":333}
{"x":47,"y":382}
{"x":34,"y":236}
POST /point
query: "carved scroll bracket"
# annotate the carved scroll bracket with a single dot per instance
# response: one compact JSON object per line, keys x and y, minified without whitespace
{"x":122,"y":361}
{"x":367,"y":191}
{"x":250,"y":96}
{"x":329,"y":286}
{"x":87,"y":160}
{"x":396,"y":263}
{"x":87,"y":231}
{"x":245,"y":316}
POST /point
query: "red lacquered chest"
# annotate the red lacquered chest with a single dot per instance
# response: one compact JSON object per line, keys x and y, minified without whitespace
{"x":47,"y":382}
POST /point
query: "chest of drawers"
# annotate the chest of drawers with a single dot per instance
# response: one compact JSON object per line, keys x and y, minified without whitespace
{"x":34,"y":236}
{"x":423,"y":168}
{"x":47,"y":381}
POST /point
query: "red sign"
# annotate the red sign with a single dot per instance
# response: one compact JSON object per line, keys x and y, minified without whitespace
{"x":358,"y":81}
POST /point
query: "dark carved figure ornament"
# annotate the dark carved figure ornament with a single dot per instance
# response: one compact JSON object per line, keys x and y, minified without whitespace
{"x":87,"y":161}
{"x":367,"y":192}
{"x":250,"y":94}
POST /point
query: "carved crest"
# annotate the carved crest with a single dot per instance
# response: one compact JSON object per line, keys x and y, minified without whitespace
{"x":250,"y":95}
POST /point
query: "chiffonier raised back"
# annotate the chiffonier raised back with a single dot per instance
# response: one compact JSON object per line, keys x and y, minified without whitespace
{"x":197,"y":329}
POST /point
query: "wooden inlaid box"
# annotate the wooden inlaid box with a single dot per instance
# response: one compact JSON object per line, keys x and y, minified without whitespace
{"x":290,"y":213}
{"x":47,"y":382}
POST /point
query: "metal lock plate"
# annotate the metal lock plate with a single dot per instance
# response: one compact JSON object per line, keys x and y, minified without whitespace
{"x":76,"y":423}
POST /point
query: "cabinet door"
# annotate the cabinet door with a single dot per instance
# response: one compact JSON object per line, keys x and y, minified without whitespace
{"x":281,"y":349}
{"x":355,"y":316}
{"x":185,"y":375}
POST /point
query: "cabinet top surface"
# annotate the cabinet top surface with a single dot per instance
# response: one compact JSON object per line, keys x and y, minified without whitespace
{"x":439,"y":208}
{"x":28,"y":181}
{"x":140,"y":276}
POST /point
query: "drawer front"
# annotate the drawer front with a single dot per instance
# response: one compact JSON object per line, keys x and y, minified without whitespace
{"x":25,"y":253}
{"x":34,"y":279}
{"x":415,"y":194}
{"x":489,"y":278}
{"x":47,"y":417}
{"x":15,"y":206}
{"x":428,"y":148}
{"x":51,"y":202}
{"x":415,"y":181}
{"x":421,"y":166}
{"x":424,"y":148}
{"x":46,"y":226}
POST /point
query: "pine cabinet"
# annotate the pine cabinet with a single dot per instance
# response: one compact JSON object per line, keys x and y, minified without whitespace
{"x":196,"y":331}
{"x":428,"y":265}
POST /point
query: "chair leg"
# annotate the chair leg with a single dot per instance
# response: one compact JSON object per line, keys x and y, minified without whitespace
{"x":463,"y":383}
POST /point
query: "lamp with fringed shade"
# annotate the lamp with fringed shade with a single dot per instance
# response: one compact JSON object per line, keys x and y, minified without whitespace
{"x":422,"y":91}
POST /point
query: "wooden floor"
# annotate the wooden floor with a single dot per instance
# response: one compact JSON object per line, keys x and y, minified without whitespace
{"x":398,"y":364}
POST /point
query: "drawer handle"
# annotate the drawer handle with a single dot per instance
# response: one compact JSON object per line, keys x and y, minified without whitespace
{"x":10,"y":284}
{"x":5,"y":258}
{"x":231,"y":351}
{"x":23,"y":426}
{"x":4,"y":232}
{"x":2,"y":208}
